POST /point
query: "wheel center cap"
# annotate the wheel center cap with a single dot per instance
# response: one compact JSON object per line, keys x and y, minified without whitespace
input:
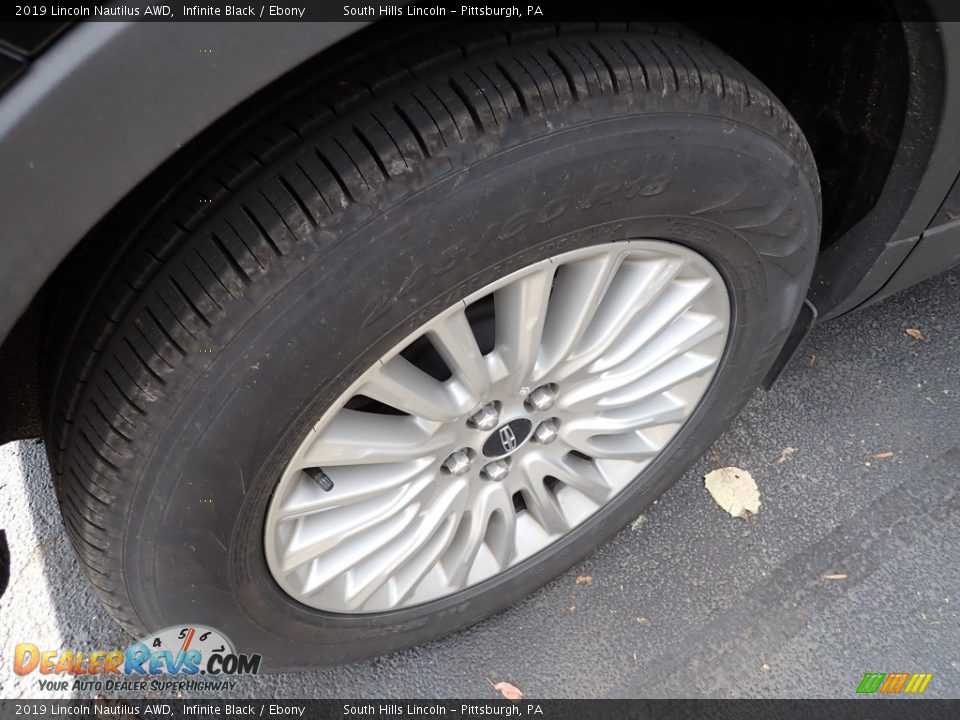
{"x":507,"y":438}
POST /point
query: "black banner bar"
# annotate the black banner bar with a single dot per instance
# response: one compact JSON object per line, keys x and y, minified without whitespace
{"x":486,"y":709}
{"x":474,"y":11}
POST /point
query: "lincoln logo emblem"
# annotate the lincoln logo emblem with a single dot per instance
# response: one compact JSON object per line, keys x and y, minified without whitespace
{"x":508,"y":438}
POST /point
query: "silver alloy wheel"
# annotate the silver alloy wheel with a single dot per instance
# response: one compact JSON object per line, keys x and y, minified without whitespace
{"x":497,"y":427}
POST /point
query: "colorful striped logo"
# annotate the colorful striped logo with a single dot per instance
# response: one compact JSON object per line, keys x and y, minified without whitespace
{"x":893,"y":683}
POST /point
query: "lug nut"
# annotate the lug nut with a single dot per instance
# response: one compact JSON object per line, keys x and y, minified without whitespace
{"x":496,"y":470}
{"x":486,"y":418}
{"x":546,"y":432}
{"x":542,"y":398}
{"x":458,"y":463}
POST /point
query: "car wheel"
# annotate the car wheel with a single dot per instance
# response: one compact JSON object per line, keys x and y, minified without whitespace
{"x":427,"y":336}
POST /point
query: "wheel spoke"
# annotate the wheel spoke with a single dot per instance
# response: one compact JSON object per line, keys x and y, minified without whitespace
{"x":635,"y":445}
{"x":438,"y":518}
{"x":578,"y":473}
{"x":611,"y":390}
{"x":520,"y":312}
{"x":500,"y":537}
{"x":352,"y":484}
{"x":322,"y":532}
{"x":361,"y":438}
{"x":402,"y":385}
{"x":658,"y":410}
{"x":683,"y":335}
{"x":581,"y":434}
{"x":649,"y":326}
{"x":544,"y":506}
{"x":578,"y":291}
{"x":492,"y":498}
{"x":408,"y":578}
{"x":328,"y":569}
{"x":457,"y":346}
{"x":635,"y":286}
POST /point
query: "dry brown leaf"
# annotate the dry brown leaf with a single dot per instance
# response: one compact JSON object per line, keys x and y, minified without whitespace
{"x":734,"y":490}
{"x":584,"y":580}
{"x":510,"y":692}
{"x":914,"y":333}
{"x":834,"y":576}
{"x":811,"y":361}
{"x":881,"y":455}
{"x":784,"y":454}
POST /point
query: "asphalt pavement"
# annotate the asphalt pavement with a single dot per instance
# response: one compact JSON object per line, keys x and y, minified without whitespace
{"x":851,"y":566}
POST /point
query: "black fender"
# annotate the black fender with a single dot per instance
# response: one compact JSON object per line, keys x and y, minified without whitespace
{"x":106,"y":105}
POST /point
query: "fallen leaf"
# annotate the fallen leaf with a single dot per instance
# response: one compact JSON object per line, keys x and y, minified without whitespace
{"x":584,"y":580}
{"x":881,"y":455}
{"x":510,"y":692}
{"x":914,"y":333}
{"x":834,"y":576}
{"x":635,"y":525}
{"x":642,"y":621}
{"x":811,"y":361}
{"x":784,"y":454}
{"x":734,"y":490}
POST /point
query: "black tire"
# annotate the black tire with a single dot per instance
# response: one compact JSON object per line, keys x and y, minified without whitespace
{"x":292,"y":262}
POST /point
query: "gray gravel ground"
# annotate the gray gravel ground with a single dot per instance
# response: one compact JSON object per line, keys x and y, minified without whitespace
{"x":688,"y":602}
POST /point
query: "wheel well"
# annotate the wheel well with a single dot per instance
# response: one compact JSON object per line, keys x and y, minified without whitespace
{"x":846,"y":84}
